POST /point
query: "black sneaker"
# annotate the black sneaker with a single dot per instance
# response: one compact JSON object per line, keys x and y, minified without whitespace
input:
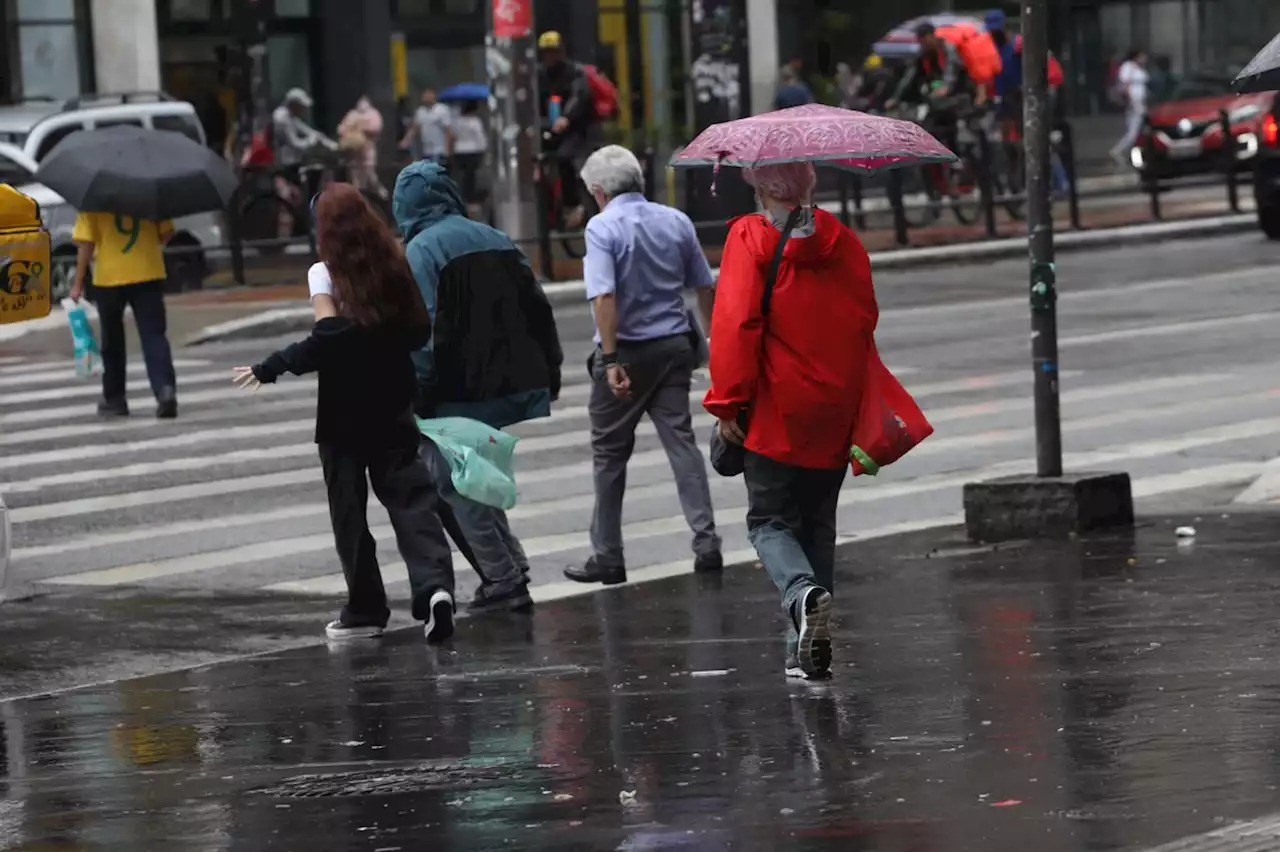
{"x":490,"y":599}
{"x":348,"y":627}
{"x":440,"y":623}
{"x":167,"y":406}
{"x":814,"y":626}
{"x":113,"y":408}
{"x":708,"y":563}
{"x":594,"y":572}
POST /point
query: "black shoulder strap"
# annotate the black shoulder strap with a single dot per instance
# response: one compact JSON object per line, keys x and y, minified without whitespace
{"x":770,"y":279}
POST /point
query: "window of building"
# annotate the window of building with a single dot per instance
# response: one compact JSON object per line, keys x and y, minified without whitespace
{"x":190,"y":10}
{"x":293,"y":8}
{"x":48,"y":48}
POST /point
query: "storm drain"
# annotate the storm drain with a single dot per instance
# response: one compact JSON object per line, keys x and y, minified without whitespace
{"x":387,"y":782}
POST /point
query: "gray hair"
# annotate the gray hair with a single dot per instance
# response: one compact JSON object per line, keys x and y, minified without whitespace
{"x":614,"y":171}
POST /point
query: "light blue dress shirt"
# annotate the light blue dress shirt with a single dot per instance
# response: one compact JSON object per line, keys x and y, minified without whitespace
{"x":647,"y":255}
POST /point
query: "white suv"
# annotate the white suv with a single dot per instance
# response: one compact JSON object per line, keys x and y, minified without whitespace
{"x":30,"y":130}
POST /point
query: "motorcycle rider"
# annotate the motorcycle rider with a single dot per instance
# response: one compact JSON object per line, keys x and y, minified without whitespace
{"x":939,"y":67}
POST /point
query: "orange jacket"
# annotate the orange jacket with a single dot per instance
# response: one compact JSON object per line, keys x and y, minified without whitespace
{"x":800,"y":372}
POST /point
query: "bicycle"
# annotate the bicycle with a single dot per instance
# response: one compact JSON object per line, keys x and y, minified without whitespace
{"x":956,"y":183}
{"x":272,"y":223}
{"x":548,"y":180}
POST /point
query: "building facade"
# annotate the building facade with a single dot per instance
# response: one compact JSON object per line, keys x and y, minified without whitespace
{"x":339,"y":50}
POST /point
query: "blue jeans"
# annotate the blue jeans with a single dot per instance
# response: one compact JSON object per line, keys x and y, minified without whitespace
{"x":499,"y":559}
{"x":791,"y":521}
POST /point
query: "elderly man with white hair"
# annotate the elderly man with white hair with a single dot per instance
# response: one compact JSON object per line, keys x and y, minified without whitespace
{"x":641,"y":258}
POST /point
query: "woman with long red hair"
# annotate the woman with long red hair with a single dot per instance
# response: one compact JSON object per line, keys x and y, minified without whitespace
{"x":360,"y":346}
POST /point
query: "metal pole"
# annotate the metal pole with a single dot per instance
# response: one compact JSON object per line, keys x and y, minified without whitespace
{"x":1044,"y":294}
{"x":515,"y":124}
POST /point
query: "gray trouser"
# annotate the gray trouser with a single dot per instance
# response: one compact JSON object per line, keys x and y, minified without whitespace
{"x":791,"y":521}
{"x":500,"y":560}
{"x":661,"y":373}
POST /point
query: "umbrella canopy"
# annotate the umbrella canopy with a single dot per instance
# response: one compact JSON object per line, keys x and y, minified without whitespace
{"x":1263,"y":73}
{"x":152,"y":174}
{"x":901,"y":40}
{"x":824,"y":135}
{"x":465,"y":92}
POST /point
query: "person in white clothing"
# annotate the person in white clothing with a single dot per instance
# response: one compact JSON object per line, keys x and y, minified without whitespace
{"x":470,"y":142}
{"x":432,"y":129}
{"x":1132,"y":83}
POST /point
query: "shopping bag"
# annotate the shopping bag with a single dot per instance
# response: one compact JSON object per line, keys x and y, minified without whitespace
{"x":890,"y":424}
{"x":481,"y":458}
{"x":88,"y":356}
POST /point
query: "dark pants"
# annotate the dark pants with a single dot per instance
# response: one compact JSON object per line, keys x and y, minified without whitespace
{"x":403,"y":485}
{"x":467,"y":167}
{"x":147,"y":301}
{"x":791,"y":521}
{"x":661,"y":372}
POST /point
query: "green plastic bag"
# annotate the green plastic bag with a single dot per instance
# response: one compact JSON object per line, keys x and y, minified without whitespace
{"x":481,"y":458}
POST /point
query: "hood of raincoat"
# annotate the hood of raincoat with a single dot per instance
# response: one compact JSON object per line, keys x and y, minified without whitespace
{"x":812,"y":246}
{"x":425,"y":195}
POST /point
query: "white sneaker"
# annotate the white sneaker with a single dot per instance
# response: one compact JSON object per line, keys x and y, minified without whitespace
{"x":814,"y":651}
{"x":338,"y":631}
{"x":440,"y":623}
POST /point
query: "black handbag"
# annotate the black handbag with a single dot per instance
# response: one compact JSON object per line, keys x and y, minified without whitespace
{"x":731,"y":459}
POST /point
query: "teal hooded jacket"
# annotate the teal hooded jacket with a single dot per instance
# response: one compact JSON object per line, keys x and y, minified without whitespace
{"x":494,"y":354}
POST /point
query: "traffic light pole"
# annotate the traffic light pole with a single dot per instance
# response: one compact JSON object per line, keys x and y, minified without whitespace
{"x":1044,"y":292}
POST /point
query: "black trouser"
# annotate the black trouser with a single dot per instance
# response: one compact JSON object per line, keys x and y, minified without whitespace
{"x":403,"y":485}
{"x":468,"y":168}
{"x":147,"y":301}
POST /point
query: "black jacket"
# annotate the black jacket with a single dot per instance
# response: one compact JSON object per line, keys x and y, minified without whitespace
{"x":367,"y":385}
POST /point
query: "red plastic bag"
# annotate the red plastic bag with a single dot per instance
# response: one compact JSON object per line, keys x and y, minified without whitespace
{"x":890,"y":424}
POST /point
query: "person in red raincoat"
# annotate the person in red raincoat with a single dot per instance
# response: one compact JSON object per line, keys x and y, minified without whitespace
{"x":797,"y":374}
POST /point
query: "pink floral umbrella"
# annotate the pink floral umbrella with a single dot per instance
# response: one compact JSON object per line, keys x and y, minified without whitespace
{"x":823,"y":135}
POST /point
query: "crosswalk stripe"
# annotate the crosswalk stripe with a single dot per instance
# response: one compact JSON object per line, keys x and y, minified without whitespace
{"x":160,"y":496}
{"x":66,"y":371}
{"x":92,"y":387}
{"x":527,"y":446}
{"x":1173,"y":328}
{"x":584,"y":502}
{"x":394,"y":573}
{"x":673,"y":524}
{"x":230,"y":392}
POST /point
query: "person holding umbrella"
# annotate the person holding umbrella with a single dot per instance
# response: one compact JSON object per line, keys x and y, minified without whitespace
{"x":129,"y":182}
{"x":793,"y":341}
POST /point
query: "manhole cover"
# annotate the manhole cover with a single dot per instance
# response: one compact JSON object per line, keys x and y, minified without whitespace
{"x":386,"y":782}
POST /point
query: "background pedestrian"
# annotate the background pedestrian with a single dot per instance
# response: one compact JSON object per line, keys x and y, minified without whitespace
{"x":128,"y":272}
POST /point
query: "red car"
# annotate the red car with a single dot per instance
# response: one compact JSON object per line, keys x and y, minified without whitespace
{"x":1187,"y":138}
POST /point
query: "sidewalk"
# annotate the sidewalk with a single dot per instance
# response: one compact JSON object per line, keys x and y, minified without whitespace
{"x":1112,"y":693}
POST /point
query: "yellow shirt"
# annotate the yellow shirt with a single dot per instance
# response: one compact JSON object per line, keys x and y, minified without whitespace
{"x":126,"y":249}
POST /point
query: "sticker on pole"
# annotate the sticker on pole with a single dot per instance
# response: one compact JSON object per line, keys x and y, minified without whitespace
{"x":512,"y":18}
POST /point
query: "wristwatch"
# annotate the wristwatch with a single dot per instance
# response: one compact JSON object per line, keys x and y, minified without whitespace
{"x":608,"y":358}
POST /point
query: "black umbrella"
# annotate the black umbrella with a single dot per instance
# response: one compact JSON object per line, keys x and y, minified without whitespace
{"x":152,"y":174}
{"x":1263,"y":73}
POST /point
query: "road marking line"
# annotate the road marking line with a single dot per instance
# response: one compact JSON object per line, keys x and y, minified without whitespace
{"x":93,"y":388}
{"x":539,"y":476}
{"x":262,"y":407}
{"x":1141,"y":331}
{"x":42,"y":415}
{"x":135,"y":499}
{"x":66,"y":372}
{"x":583,"y":502}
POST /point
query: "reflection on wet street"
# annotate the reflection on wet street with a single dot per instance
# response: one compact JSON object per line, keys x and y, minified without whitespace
{"x":1109,"y":694}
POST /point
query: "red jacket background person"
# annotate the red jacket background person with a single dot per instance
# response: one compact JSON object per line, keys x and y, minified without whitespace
{"x":798,"y":373}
